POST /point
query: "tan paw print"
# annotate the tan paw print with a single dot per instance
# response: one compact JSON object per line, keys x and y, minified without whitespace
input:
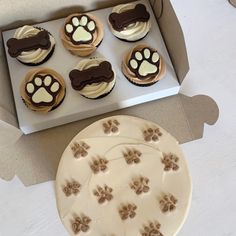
{"x":80,"y":224}
{"x":99,"y":165}
{"x":111,"y":126}
{"x":80,"y":149}
{"x":152,"y":134}
{"x":140,"y":185}
{"x":168,"y":203}
{"x":152,"y":229}
{"x":132,"y":156}
{"x":128,"y":211}
{"x":103,"y":194}
{"x":72,"y":188}
{"x":170,"y":162}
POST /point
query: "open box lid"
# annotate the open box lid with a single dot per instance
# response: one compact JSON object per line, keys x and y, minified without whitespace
{"x":35,"y":157}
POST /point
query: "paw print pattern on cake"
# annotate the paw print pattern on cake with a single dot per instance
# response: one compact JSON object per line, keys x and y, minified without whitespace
{"x":103,"y":194}
{"x":127,"y":211}
{"x":80,"y":224}
{"x":111,"y":126}
{"x":80,"y":29}
{"x":140,"y":185}
{"x":151,"y":229}
{"x":99,"y":165}
{"x":152,"y":134}
{"x":170,"y":162}
{"x":144,"y":63}
{"x":132,"y":156}
{"x":80,"y":149}
{"x":168,"y":203}
{"x":71,"y":188}
{"x":43,"y":90}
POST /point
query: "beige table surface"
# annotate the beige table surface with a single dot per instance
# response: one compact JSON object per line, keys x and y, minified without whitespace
{"x":210,"y":32}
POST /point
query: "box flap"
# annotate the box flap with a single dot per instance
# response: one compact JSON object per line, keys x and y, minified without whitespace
{"x":34,"y":158}
{"x":169,"y":26}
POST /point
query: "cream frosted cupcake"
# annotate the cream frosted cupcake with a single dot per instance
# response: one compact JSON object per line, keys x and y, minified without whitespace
{"x":130,"y":22}
{"x":93,"y":78}
{"x":82,"y":34}
{"x":143,"y":66}
{"x":31,"y":45}
{"x":43,"y":90}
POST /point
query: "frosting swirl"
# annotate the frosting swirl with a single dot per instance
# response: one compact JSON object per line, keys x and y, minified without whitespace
{"x":94,"y":90}
{"x":134,"y":31}
{"x":33,"y":56}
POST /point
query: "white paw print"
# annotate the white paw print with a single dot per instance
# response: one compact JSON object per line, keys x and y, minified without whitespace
{"x":43,"y":89}
{"x":145,"y":62}
{"x":80,"y":29}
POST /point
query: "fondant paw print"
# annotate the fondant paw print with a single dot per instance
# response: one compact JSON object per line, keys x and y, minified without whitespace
{"x":80,"y":224}
{"x":111,"y":126}
{"x":168,"y":203}
{"x":152,"y":134}
{"x":128,"y":211}
{"x":153,"y":228}
{"x":140,"y":185}
{"x":103,"y":194}
{"x":170,"y":161}
{"x":72,"y":188}
{"x":80,"y":29}
{"x":144,"y":63}
{"x":43,"y":90}
{"x":80,"y":149}
{"x":132,"y":156}
{"x":99,"y":165}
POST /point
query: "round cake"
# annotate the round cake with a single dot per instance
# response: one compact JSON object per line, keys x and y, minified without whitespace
{"x":122,"y":176}
{"x":130,"y":22}
{"x":43,"y":90}
{"x":93,"y":78}
{"x":143,"y":65}
{"x":81,"y":34}
{"x":31,"y":45}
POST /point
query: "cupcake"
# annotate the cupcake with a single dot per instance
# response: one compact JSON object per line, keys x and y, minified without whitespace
{"x":143,"y":66}
{"x":43,"y":90}
{"x":130,"y":22}
{"x":82,"y":34}
{"x":93,"y":78}
{"x":31,"y":45}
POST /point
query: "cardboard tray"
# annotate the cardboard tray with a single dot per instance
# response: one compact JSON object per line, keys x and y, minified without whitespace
{"x":35,"y":157}
{"x":76,"y":107}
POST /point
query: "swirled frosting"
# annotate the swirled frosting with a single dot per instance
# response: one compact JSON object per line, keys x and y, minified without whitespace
{"x":33,"y":56}
{"x":94,"y":90}
{"x":84,"y":49}
{"x":149,"y":80}
{"x":134,"y":31}
{"x":33,"y":87}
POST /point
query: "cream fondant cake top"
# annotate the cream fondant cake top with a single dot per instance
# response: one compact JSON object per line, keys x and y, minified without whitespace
{"x":123,"y":176}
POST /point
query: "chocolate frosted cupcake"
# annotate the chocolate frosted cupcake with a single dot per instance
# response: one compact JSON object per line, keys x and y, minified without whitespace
{"x":82,"y":33}
{"x":43,"y":90}
{"x":93,"y":78}
{"x":130,"y":22}
{"x":31,"y":45}
{"x":143,"y":66}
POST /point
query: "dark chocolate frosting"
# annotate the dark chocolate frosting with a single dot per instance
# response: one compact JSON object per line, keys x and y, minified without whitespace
{"x":120,"y":21}
{"x":17,"y":46}
{"x":96,"y":74}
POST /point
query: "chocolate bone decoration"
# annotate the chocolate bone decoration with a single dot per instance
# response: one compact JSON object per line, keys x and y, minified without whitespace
{"x":96,"y":74}
{"x":120,"y":21}
{"x":17,"y":46}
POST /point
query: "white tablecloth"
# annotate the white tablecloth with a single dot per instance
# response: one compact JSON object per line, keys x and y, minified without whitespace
{"x":210,"y":32}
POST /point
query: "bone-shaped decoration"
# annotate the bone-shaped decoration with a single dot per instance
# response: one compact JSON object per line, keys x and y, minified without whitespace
{"x":96,"y":74}
{"x":17,"y":46}
{"x":121,"y":20}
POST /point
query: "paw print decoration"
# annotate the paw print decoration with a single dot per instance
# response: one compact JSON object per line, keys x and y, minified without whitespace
{"x":43,"y":90}
{"x":144,"y":63}
{"x":80,"y":29}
